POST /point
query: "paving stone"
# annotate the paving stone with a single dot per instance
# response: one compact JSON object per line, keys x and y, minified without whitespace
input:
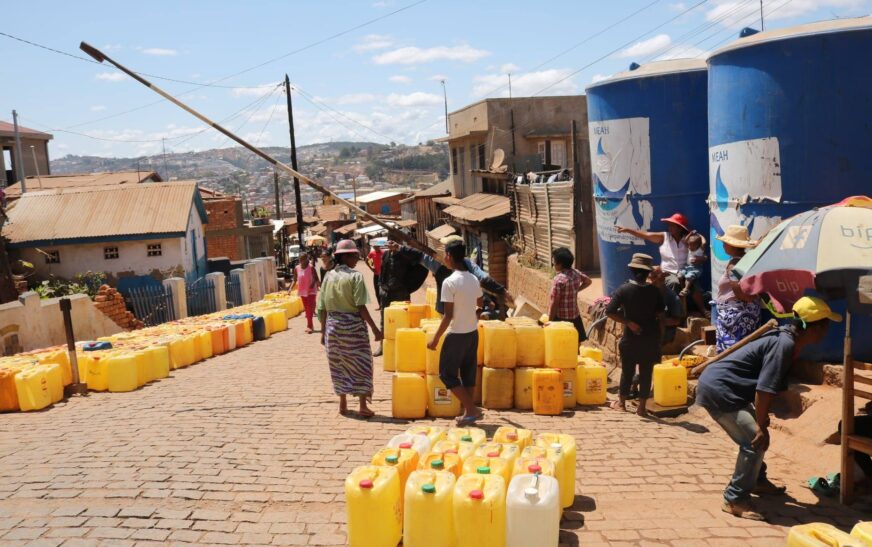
{"x":152,"y":534}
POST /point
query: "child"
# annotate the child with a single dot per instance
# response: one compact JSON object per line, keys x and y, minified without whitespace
{"x":696,"y":257}
{"x":638,"y":305}
{"x":307,"y":288}
{"x":564,"y":291}
{"x":461,"y":295}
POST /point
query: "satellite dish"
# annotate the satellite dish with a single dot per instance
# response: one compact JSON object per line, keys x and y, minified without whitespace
{"x":497,"y":163}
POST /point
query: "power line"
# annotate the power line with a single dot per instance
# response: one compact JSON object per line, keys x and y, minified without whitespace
{"x":317,"y":102}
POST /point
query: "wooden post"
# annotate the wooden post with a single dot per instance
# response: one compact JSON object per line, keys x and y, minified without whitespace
{"x":583,"y":210}
{"x":548,"y":214}
{"x":846,"y":490}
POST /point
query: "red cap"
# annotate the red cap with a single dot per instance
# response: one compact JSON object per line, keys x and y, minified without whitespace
{"x":476,"y":495}
{"x":512,"y":436}
{"x":405,"y":445}
{"x":534,"y":468}
{"x":366,"y":483}
{"x":451,"y":451}
{"x":678,"y":219}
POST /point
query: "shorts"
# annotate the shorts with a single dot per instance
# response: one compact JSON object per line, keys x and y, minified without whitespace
{"x":458,"y":359}
{"x":690,"y":273}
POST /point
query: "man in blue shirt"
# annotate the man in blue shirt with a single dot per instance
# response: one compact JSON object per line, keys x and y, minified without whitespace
{"x":737,"y":392}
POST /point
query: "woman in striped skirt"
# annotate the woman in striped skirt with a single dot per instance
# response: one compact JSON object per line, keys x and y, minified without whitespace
{"x":342,"y":310}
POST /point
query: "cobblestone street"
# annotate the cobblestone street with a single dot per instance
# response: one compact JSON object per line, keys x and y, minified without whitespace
{"x":248,"y":448}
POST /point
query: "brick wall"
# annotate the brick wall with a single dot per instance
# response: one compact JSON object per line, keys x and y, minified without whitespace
{"x":111,"y":303}
{"x":223,"y":214}
{"x":223,"y":246}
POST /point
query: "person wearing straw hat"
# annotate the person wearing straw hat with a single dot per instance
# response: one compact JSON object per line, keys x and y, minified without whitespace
{"x":638,"y":305}
{"x":343,"y":313}
{"x":737,"y":392}
{"x":738,"y":314}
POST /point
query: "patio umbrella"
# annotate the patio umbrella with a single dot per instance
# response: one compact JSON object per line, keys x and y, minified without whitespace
{"x":316,"y":240}
{"x":827,"y":249}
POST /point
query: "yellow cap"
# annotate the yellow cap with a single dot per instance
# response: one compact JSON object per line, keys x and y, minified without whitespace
{"x":811,"y":309}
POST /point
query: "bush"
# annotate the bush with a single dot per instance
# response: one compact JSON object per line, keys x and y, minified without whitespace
{"x":87,"y":283}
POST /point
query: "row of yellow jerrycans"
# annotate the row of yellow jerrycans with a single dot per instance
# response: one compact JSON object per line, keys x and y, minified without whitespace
{"x":500,"y":345}
{"x":465,"y":491}
{"x":545,"y":391}
{"x":405,"y":315}
{"x":818,"y":534}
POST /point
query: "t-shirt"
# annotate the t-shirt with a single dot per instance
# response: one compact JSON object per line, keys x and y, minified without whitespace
{"x":640,"y":304}
{"x":342,"y":290}
{"x":306,"y":280}
{"x":464,"y":290}
{"x":673,"y":254}
{"x":376,"y":258}
{"x":762,"y":365}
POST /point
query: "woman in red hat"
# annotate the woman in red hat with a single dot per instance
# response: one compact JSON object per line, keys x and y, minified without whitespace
{"x":673,"y":247}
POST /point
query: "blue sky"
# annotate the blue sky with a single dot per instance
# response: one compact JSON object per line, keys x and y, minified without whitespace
{"x":378,"y":82}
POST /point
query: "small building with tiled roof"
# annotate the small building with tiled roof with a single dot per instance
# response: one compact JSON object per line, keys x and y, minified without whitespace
{"x":38,"y":140}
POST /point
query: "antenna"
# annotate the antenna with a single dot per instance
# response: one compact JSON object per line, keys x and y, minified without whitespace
{"x":445,"y":94}
{"x":510,"y":85}
{"x":164,"y":145}
{"x":761,"y":16}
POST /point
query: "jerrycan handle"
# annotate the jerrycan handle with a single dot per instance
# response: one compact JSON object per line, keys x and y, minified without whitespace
{"x":824,"y":538}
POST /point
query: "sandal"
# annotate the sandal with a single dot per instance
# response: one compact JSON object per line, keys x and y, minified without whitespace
{"x":365,"y":414}
{"x":468,"y":420}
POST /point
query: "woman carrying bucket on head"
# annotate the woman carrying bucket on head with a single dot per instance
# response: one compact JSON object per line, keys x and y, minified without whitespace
{"x":343,"y":312}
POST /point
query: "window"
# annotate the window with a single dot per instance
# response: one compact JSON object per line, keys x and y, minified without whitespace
{"x":558,"y":153}
{"x":110,"y":253}
{"x":454,"y":161}
{"x":543,"y":152}
{"x":155,"y":250}
{"x":481,"y":162}
{"x":53,"y":257}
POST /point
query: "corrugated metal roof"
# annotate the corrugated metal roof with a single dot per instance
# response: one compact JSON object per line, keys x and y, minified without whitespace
{"x":439,"y":189}
{"x":331,"y":213}
{"x":446,"y":200}
{"x":375,"y":196}
{"x":656,"y":68}
{"x":441,"y":231}
{"x":821,"y":27}
{"x":480,"y":207}
{"x":83,"y":180}
{"x":8,"y":130}
{"x":99,"y":213}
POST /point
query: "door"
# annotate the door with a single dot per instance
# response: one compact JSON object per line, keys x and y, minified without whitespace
{"x":558,"y":153}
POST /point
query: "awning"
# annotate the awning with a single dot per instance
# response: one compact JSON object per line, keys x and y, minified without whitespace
{"x":346,"y":229}
{"x":370,"y":230}
{"x":446,"y":200}
{"x":480,"y":207}
{"x":442,"y":231}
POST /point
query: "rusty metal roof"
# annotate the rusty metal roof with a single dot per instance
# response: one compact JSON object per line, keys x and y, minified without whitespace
{"x":443,"y":188}
{"x":480,"y":207}
{"x":441,"y":231}
{"x":82,"y":180}
{"x":81,"y":215}
{"x":8,"y":130}
{"x":332,"y":213}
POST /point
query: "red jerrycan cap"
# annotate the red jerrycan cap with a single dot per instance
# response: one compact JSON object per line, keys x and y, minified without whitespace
{"x":476,"y":495}
{"x":512,"y":436}
{"x":365,"y":484}
{"x":451,"y":451}
{"x":493,"y":454}
{"x":534,"y":468}
{"x":405,"y":445}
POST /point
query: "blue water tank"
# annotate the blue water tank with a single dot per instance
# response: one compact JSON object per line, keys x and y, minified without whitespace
{"x":790,"y":128}
{"x":648,"y":156}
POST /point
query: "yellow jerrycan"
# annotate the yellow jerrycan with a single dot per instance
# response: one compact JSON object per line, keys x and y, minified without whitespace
{"x":524,"y":388}
{"x":204,"y":339}
{"x":480,"y":351}
{"x":408,"y":396}
{"x":396,"y":317}
{"x":484,"y":465}
{"x":160,"y":358}
{"x":442,"y":461}
{"x":416,"y":312}
{"x":591,"y":353}
{"x":405,"y":460}
{"x":513,"y":435}
{"x":480,"y":511}
{"x":428,"y":516}
{"x":503,"y":451}
{"x":411,"y":350}
{"x":433,"y":355}
{"x":533,"y":465}
{"x":498,"y":388}
{"x":530,"y":345}
{"x":863,"y":532}
{"x":592,"y":381}
{"x":98,"y":373}
{"x":121,"y":372}
{"x":462,"y":449}
{"x":389,"y":355}
{"x":568,"y":377}
{"x":441,"y":403}
{"x":434,"y":433}
{"x":373,"y":507}
{"x":670,"y":385}
{"x":32,"y":389}
{"x":547,"y":392}
{"x":500,"y":345}
{"x":473,"y":435}
{"x":55,"y":378}
{"x":819,"y":534}
{"x":563,"y":445}
{"x":561,"y":345}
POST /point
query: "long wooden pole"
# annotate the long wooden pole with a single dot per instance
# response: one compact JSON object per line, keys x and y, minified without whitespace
{"x":100,"y":57}
{"x":768,"y":326}
{"x":298,"y":202}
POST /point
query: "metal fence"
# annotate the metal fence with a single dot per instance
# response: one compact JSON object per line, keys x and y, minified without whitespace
{"x":233,"y":291}
{"x":201,"y":297}
{"x":152,"y":304}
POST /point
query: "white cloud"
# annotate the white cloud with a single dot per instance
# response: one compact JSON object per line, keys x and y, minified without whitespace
{"x":599,"y":78}
{"x":646,"y":47}
{"x":112,"y":76}
{"x":112,"y":47}
{"x":97,"y":108}
{"x":414,"y":55}
{"x":509,"y":67}
{"x":678,"y":6}
{"x":356,"y":98}
{"x":256,"y":91}
{"x":557,"y":80}
{"x":379,"y":4}
{"x":372,"y":42}
{"x":438,"y":77}
{"x":159,"y":51}
{"x":682,"y":51}
{"x":400,"y":79}
{"x":732,"y":13}
{"x":416,"y":99}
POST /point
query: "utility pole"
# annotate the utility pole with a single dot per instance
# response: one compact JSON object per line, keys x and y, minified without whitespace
{"x":298,"y":201}
{"x":761,"y":16}
{"x":445,"y":95}
{"x":19,"y":155}
{"x":510,"y":86}
{"x":166,"y":170}
{"x":36,"y":165}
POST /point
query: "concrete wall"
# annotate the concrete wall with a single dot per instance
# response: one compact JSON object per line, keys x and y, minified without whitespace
{"x":32,"y":323}
{"x":132,"y":259}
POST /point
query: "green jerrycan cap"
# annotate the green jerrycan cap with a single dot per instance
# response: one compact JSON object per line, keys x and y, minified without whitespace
{"x":392,"y":459}
{"x":437,"y":464}
{"x":428,"y":488}
{"x":483,"y":470}
{"x":466,"y":438}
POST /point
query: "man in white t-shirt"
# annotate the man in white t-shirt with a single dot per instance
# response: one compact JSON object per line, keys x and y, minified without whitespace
{"x":461,"y":295}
